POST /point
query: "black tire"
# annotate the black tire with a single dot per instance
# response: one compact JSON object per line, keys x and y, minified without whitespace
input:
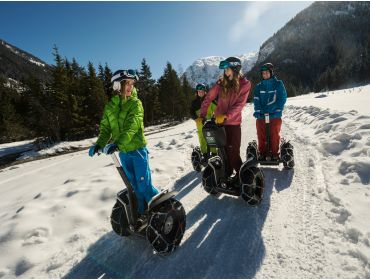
{"x":287,"y":155}
{"x":252,"y":184}
{"x":209,"y":181}
{"x":118,"y":220}
{"x":252,"y":150}
{"x":196,"y":159}
{"x":166,"y":226}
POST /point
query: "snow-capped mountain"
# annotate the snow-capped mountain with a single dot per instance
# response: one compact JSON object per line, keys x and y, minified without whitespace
{"x":205,"y":70}
{"x":17,"y":64}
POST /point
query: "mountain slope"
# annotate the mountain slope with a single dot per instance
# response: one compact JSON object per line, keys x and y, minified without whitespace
{"x":18,"y":64}
{"x":326,"y":46}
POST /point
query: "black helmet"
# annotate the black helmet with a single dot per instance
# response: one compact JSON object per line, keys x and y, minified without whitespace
{"x":201,"y":87}
{"x":231,"y":62}
{"x":121,"y":75}
{"x":268,"y":67}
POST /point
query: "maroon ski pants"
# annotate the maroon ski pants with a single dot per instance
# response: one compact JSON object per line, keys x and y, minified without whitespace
{"x":275,"y":127}
{"x":233,"y":141}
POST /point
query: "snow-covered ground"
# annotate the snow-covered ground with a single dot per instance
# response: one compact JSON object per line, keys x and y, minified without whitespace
{"x":58,"y":148}
{"x":351,"y":99}
{"x":16,"y":147}
{"x":314,"y":221}
{"x":25,"y":150}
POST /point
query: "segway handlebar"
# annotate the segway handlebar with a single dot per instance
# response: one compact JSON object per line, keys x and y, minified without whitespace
{"x":101,"y":151}
{"x":212,"y":121}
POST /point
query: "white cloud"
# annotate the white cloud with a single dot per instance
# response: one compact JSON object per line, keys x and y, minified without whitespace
{"x":252,"y":17}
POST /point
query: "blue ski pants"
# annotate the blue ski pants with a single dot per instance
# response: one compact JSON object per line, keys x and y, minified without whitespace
{"x":136,"y":166}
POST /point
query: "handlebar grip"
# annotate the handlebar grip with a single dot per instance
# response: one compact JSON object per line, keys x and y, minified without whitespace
{"x":267,"y":118}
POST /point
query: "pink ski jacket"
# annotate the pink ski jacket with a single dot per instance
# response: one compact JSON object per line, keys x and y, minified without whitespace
{"x":231,"y":106}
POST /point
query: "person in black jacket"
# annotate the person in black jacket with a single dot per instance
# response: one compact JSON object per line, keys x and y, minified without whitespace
{"x":201,"y":91}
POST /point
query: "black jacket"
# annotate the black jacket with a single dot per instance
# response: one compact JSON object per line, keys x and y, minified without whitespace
{"x":195,"y":106}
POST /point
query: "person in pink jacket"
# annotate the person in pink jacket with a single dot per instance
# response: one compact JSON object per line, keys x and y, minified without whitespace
{"x":232,"y":91}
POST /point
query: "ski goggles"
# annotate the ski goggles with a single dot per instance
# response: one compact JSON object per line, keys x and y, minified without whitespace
{"x":227,"y":64}
{"x":125,"y":75}
{"x":265,"y":68}
{"x":200,"y":87}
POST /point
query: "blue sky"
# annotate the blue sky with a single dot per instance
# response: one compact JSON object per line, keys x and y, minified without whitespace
{"x":123,"y":33}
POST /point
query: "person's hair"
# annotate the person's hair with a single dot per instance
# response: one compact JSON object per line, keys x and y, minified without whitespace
{"x":230,"y":86}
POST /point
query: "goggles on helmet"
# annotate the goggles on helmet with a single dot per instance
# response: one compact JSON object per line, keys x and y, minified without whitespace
{"x":200,"y":87}
{"x":226,"y":64}
{"x":125,"y":75}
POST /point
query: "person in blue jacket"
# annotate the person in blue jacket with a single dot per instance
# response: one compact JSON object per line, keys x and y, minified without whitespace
{"x":269,"y":98}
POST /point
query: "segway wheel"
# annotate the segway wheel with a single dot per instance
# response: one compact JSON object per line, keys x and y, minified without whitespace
{"x":209,"y":181}
{"x":252,"y":185}
{"x":252,"y":150}
{"x":196,"y":159}
{"x":287,"y":155}
{"x":119,"y":221}
{"x":166,"y":226}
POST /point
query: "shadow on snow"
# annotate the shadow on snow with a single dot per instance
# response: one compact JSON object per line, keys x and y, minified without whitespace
{"x":222,"y":240}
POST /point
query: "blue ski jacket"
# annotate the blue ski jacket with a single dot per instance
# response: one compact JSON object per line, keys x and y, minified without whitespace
{"x":269,"y":97}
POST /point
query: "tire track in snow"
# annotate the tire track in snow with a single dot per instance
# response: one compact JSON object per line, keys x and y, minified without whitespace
{"x":293,"y":237}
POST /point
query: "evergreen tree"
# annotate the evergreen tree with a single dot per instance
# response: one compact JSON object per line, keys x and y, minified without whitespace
{"x":60,"y":103}
{"x":187,"y":91}
{"x":146,"y":87}
{"x":96,"y":97}
{"x":107,"y":81}
{"x":12,"y":124}
{"x":156,"y":110}
{"x":105,"y":75}
{"x":170,"y":93}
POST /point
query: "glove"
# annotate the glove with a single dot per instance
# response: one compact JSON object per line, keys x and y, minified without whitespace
{"x":258,"y":115}
{"x":199,"y":121}
{"x":220,"y":119}
{"x":93,"y":150}
{"x":110,"y":149}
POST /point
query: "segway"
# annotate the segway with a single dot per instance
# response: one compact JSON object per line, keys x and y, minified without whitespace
{"x":163,"y":223}
{"x":286,"y":150}
{"x":249,"y":184}
{"x":198,"y":160}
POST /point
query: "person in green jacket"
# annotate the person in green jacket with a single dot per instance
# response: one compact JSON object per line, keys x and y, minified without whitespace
{"x":201,"y":91}
{"x":122,"y":126}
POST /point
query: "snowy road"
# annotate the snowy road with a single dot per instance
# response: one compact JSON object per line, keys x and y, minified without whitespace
{"x":54,"y":215}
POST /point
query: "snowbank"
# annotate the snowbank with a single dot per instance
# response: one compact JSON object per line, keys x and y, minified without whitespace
{"x":351,"y":99}
{"x":337,"y":124}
